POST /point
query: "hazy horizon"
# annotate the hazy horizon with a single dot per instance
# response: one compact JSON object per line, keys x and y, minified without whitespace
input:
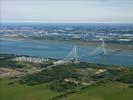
{"x":66,"y":11}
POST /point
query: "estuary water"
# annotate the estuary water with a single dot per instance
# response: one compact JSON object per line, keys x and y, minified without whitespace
{"x":49,"y":49}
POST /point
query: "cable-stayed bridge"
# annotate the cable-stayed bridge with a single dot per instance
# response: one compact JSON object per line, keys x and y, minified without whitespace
{"x":73,"y":54}
{"x":73,"y":57}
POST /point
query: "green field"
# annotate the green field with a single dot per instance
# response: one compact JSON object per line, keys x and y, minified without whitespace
{"x":25,"y":92}
{"x":114,"y":83}
{"x":105,"y":91}
{"x":100,"y":91}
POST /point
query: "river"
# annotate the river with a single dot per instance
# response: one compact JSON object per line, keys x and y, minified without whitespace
{"x":49,"y":49}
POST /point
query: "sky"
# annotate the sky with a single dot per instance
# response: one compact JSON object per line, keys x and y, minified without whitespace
{"x":67,"y":11}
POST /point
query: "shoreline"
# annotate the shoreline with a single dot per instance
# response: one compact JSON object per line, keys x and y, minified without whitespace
{"x":56,"y":59}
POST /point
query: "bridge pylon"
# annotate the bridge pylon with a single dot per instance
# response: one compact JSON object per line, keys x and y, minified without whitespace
{"x":75,"y":54}
{"x":103,"y":46}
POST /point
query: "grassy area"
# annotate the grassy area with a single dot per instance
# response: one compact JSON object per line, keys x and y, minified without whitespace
{"x":116,"y":83}
{"x":25,"y":92}
{"x":103,"y":91}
